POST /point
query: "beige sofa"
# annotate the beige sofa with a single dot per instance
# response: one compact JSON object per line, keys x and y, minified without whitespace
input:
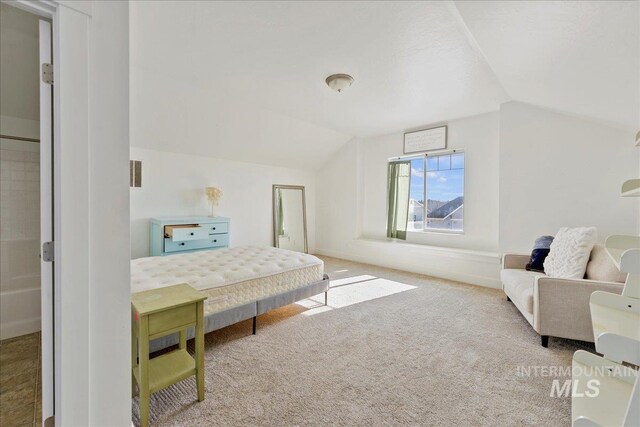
{"x":559,"y":307}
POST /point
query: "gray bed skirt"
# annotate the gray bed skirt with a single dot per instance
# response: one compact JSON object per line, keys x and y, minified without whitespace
{"x":237,"y":314}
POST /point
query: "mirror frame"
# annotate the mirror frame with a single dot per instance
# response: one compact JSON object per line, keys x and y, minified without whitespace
{"x":275,"y":214}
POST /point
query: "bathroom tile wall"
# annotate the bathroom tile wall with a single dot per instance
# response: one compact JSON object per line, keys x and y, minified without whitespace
{"x":19,"y":238}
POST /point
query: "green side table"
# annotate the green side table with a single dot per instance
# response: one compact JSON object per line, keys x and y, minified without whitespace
{"x":157,"y":313}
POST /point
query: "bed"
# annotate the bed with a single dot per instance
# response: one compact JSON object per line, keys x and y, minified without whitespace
{"x":240,"y":283}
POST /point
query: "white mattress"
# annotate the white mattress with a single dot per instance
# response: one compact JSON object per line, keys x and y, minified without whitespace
{"x":222,"y":268}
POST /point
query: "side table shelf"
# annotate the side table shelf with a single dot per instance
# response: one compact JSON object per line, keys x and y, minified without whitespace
{"x":156,"y":313}
{"x":168,"y":369}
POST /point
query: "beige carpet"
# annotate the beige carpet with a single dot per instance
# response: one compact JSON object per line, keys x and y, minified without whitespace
{"x":392,"y":348}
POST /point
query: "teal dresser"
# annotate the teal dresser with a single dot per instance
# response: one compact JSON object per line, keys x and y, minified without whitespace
{"x":177,"y":235}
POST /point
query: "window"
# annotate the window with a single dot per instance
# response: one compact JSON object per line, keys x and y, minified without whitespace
{"x":436,"y":195}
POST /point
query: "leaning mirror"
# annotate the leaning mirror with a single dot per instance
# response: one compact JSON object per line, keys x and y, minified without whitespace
{"x":289,"y":218}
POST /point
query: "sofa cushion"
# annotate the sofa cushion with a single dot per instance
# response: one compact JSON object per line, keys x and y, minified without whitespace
{"x":602,"y":268}
{"x":518,"y":285}
{"x":570,"y":252}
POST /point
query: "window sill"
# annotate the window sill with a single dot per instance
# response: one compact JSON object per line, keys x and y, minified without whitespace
{"x":436,"y":231}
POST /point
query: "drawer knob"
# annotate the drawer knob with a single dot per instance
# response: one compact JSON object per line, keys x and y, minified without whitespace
{"x":214,"y":228}
{"x":182,"y":244}
{"x":192,"y":234}
{"x":215,"y":240}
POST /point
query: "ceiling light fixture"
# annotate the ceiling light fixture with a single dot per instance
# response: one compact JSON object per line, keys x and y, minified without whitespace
{"x":339,"y":82}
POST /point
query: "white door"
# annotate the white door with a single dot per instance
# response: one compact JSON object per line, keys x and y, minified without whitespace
{"x":46,"y":223}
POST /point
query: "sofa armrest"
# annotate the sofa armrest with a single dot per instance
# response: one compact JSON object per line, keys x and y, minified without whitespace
{"x":561,"y":306}
{"x":515,"y":261}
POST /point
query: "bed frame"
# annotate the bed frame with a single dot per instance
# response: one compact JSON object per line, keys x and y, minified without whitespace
{"x":221,"y":319}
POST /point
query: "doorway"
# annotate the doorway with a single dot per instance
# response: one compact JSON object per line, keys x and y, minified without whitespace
{"x":26,"y":330}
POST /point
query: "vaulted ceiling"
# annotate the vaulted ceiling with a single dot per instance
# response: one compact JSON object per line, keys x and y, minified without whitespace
{"x":245,"y":80}
{"x":581,"y":57}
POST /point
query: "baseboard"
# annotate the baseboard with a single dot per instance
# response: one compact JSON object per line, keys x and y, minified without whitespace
{"x":19,"y":327}
{"x":490,"y":263}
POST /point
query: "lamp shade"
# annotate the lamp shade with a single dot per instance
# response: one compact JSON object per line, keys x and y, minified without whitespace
{"x":213,"y":194}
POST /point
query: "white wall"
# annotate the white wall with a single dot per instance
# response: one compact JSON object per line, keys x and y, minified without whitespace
{"x":173,"y":184}
{"x":337,"y":201}
{"x":558,"y":170}
{"x":479,"y":137}
{"x":528,"y":172}
{"x":19,"y":68}
{"x":16,"y":126}
{"x":352,"y":207}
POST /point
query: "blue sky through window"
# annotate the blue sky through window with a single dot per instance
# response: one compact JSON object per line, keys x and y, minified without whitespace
{"x":443,"y":185}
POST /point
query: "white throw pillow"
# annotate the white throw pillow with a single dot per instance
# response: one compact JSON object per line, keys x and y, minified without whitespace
{"x":570,"y":251}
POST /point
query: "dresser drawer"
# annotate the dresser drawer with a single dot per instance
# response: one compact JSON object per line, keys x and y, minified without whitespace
{"x":213,"y":241}
{"x":181,"y":233}
{"x":171,"y":319}
{"x":217,"y":228}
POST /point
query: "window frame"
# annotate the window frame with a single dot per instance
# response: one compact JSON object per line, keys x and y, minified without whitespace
{"x":425,"y":156}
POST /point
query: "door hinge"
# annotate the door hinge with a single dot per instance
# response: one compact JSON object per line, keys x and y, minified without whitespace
{"x":48,"y":253}
{"x":47,"y":73}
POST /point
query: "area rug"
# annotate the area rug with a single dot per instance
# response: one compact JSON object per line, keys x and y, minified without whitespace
{"x":391,"y":348}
